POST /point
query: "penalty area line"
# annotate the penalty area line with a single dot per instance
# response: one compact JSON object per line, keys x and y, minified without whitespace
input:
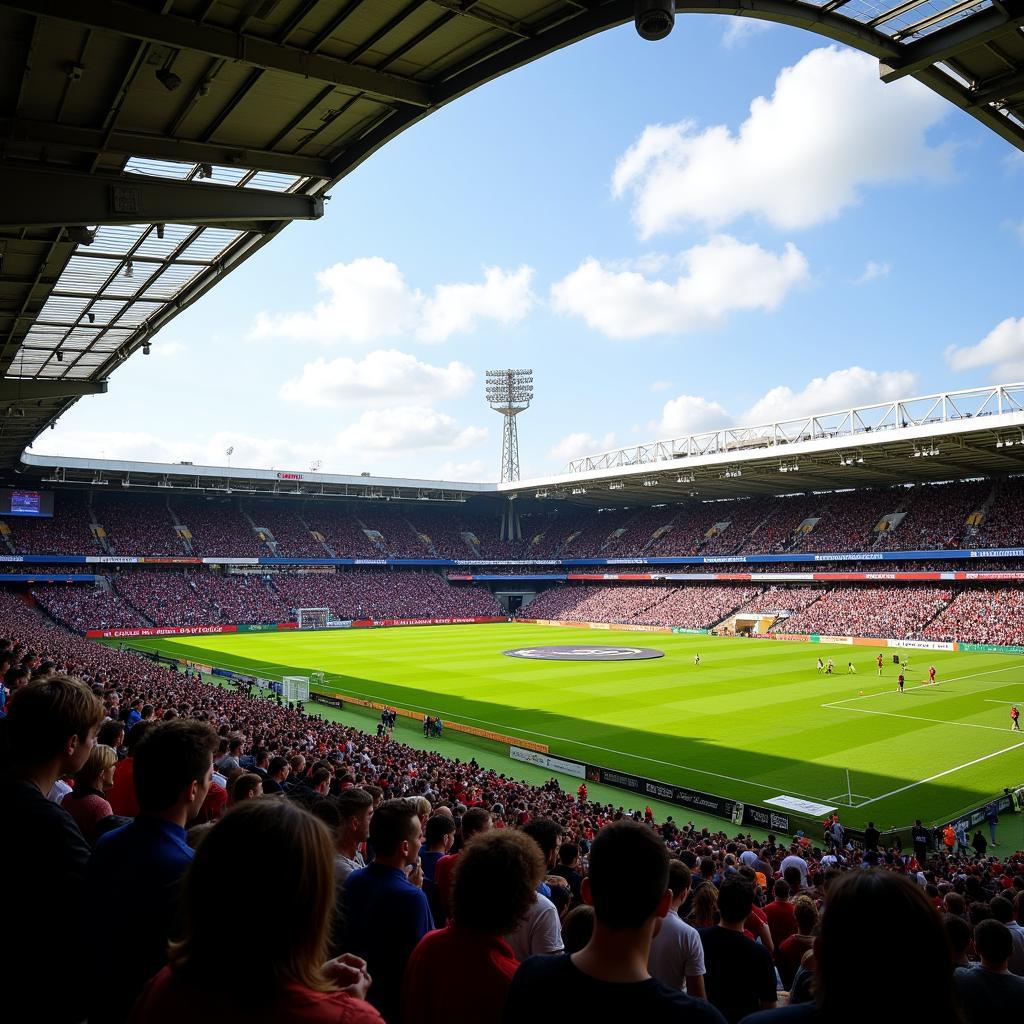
{"x":917,"y":686}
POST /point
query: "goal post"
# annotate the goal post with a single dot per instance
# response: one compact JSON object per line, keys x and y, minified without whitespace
{"x":313,"y":618}
{"x":295,"y":688}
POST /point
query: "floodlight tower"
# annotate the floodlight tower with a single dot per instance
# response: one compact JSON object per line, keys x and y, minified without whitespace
{"x":509,"y":392}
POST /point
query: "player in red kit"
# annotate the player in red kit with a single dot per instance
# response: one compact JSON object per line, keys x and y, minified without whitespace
{"x":900,"y":682}
{"x":931,"y":675}
{"x":1014,"y":718}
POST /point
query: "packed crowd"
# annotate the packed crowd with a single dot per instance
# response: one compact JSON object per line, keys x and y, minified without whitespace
{"x":218,"y":528}
{"x":1003,"y":525}
{"x":138,"y":525}
{"x":291,"y":533}
{"x":286,"y":868}
{"x":896,"y":612}
{"x":69,"y":532}
{"x":81,"y":606}
{"x":936,"y":516}
{"x":982,"y":615}
{"x":168,"y":598}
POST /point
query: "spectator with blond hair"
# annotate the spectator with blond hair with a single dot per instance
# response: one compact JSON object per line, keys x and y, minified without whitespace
{"x":86,"y":803}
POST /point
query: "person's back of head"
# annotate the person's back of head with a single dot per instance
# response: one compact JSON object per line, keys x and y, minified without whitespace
{"x":628,"y":880}
{"x":495,"y":881}
{"x":546,"y":834}
{"x":735,"y":899}
{"x":437,"y":828}
{"x":960,"y":935}
{"x":577,"y":928}
{"x":568,"y":854}
{"x":781,"y":890}
{"x":393,"y":823}
{"x":276,"y":766}
{"x":1001,"y":909}
{"x":679,"y":878}
{"x":135,"y":736}
{"x":288,"y":906}
{"x":54,"y":718}
{"x":882,"y":944}
{"x":474,"y":821}
{"x":806,"y":914}
{"x":994,"y":944}
{"x":353,"y":802}
{"x":169,"y":759}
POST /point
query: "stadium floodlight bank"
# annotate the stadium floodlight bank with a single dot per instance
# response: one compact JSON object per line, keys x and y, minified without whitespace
{"x":313,"y":618}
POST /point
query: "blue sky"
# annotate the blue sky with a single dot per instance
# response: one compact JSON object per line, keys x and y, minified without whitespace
{"x":739,"y":223}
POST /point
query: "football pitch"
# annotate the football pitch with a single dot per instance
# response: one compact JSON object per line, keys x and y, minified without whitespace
{"x":755,"y":720}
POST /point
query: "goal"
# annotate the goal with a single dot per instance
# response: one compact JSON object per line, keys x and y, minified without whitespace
{"x":313,"y":618}
{"x":295,"y":688}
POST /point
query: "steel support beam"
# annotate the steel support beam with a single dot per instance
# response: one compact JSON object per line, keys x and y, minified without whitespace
{"x":252,"y":51}
{"x":999,"y":88}
{"x":944,"y":43}
{"x":160,"y":147}
{"x":35,"y":197}
{"x":31,"y":389}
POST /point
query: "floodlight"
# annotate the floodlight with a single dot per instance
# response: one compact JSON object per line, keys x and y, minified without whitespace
{"x":168,"y":79}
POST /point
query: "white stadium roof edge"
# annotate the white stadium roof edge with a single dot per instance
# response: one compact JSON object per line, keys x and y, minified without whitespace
{"x":946,"y":436}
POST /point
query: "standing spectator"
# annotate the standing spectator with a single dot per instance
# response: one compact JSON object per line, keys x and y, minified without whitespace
{"x":740,"y":976}
{"x":121,"y":795}
{"x":86,"y":802}
{"x":1017,"y":934}
{"x":781,"y":919}
{"x":355,"y":807}
{"x":872,"y":837}
{"x":278,"y":770}
{"x":567,"y":868}
{"x":539,"y":930}
{"x":50,"y":730}
{"x":386,"y":913}
{"x":992,"y":817}
{"x":213,"y":980}
{"x":608,"y":979}
{"x":493,"y":886}
{"x":795,"y":860}
{"x":988,"y":993}
{"x":677,"y":956}
{"x":146,"y":859}
{"x":921,"y":839}
{"x":791,"y":952}
{"x":475,"y":820}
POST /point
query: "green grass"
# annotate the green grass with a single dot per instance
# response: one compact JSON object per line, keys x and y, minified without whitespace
{"x":753,"y":721}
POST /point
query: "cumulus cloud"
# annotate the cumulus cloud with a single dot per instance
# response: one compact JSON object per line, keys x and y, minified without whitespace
{"x":661,"y":385}
{"x":573,"y":446}
{"x":474,"y":470}
{"x":873,"y":271}
{"x":802,"y":155}
{"x":369,"y":299}
{"x":839,"y":390}
{"x":384,"y":374}
{"x":1002,"y":349}
{"x":719,"y":277}
{"x":383,"y":435}
{"x":691,"y":414}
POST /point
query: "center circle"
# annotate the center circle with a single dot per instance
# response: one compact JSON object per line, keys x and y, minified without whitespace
{"x":584,"y":652}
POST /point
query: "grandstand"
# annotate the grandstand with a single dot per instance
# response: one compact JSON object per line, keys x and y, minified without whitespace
{"x":146,"y":605}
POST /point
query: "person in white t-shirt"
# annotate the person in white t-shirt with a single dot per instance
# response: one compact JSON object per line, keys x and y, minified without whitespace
{"x":539,"y":931}
{"x":677,"y":956}
{"x":794,"y":860}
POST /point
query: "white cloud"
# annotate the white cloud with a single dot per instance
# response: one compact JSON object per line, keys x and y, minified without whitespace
{"x":739,"y":30}
{"x":384,"y":374}
{"x":720,"y":276}
{"x":1002,"y":348}
{"x":369,"y":299}
{"x":573,"y":446}
{"x":873,"y":271}
{"x":690,"y":414}
{"x":661,"y":385}
{"x":802,"y":155}
{"x":839,"y":390}
{"x":473,"y":470}
{"x":383,"y":435}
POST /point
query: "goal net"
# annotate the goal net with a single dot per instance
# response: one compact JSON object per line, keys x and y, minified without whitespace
{"x":313,"y":618}
{"x":295,"y":688}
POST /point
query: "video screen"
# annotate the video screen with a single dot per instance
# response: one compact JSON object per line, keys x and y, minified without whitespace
{"x":19,"y":502}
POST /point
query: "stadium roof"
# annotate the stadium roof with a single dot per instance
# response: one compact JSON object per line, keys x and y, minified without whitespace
{"x":950,"y":436}
{"x":190,"y":132}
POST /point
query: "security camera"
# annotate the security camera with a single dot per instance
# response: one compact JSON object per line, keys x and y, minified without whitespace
{"x":654,"y":18}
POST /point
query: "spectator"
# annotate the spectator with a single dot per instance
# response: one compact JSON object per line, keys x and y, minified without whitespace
{"x":988,"y":993}
{"x":474,"y":821}
{"x":677,"y":956}
{"x":278,"y":771}
{"x":539,"y":931}
{"x":740,"y":977}
{"x":213,"y":981}
{"x":791,"y":952}
{"x":608,"y":978}
{"x":568,"y":868}
{"x":386,"y":913}
{"x":49,"y":731}
{"x":146,"y":860}
{"x":493,"y":887}
{"x":86,"y":802}
{"x":781,"y":919}
{"x":121,"y":794}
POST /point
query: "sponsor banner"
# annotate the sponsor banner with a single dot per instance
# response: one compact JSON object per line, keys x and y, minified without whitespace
{"x":267,"y":627}
{"x":287,"y":625}
{"x":705,"y":803}
{"x":834,"y":639}
{"x":142,"y":631}
{"x":387,"y":623}
{"x":683,"y":629}
{"x":172,"y":561}
{"x":114,"y":559}
{"x":997,"y":553}
{"x":224,"y":561}
{"x":985,"y":575}
{"x":993,"y":648}
{"x":546,"y":761}
{"x":808,"y":807}
{"x":799,"y":638}
{"x":971,"y":819}
{"x":199,"y":667}
{"x":42,"y":578}
{"x":325,"y":698}
{"x":759,"y":817}
{"x":12,"y":558}
{"x":921,"y":645}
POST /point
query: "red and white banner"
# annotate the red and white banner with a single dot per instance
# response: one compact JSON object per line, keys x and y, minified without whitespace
{"x":117,"y":634}
{"x":385,"y":623}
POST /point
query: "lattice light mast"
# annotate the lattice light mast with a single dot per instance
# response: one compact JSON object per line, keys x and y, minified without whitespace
{"x":509,"y":392}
